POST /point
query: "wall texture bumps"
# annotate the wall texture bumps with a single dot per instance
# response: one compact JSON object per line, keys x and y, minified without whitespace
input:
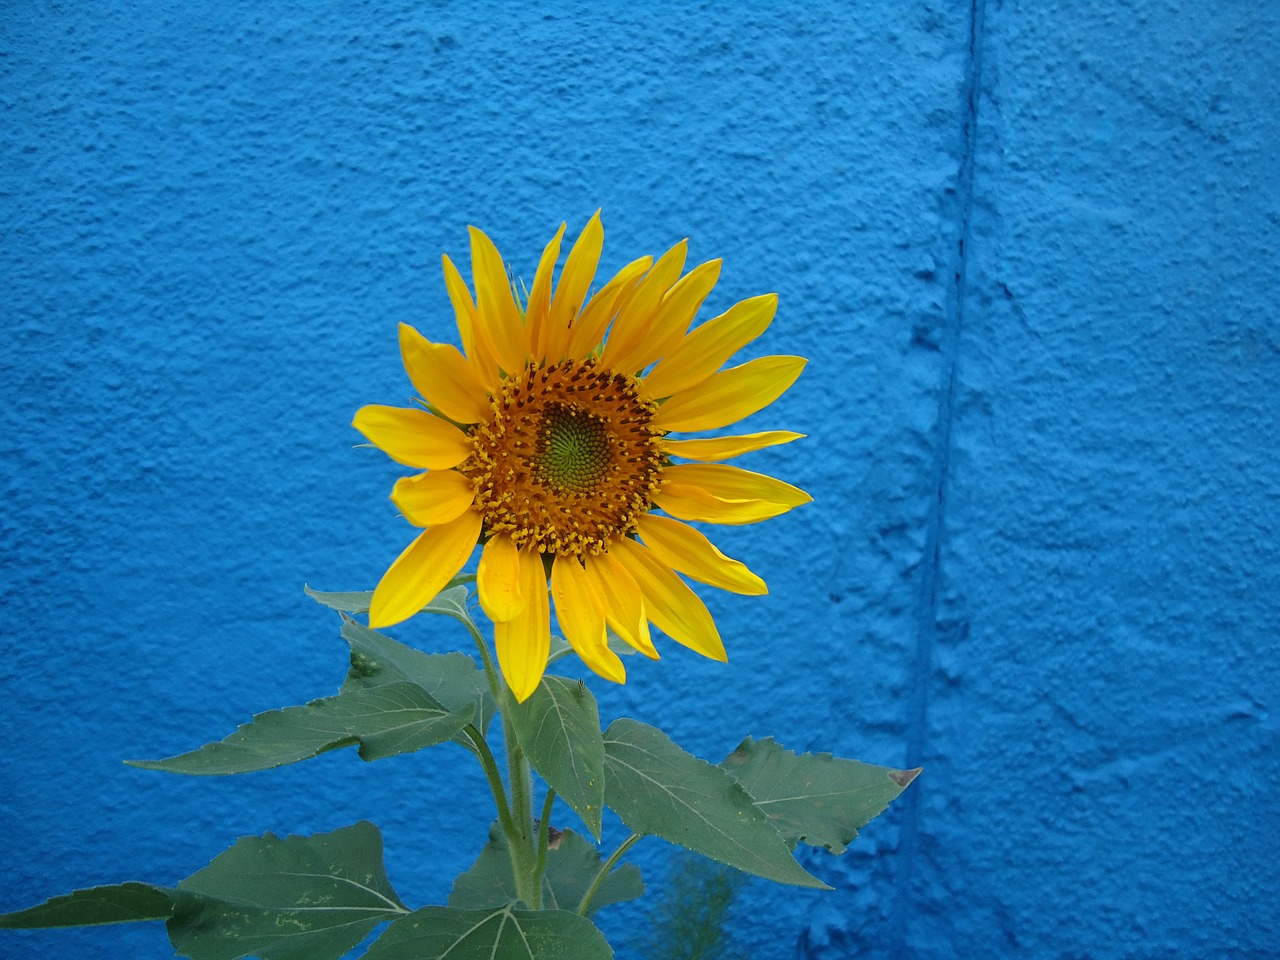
{"x":1031,"y":249}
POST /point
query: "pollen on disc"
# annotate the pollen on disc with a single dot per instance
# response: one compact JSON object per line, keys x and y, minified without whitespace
{"x":568,"y":460}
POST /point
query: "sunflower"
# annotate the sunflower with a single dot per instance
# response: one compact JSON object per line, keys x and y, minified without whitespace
{"x":546,"y":440}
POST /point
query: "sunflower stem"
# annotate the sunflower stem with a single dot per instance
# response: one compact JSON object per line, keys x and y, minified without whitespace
{"x":605,"y":869}
{"x":521,"y":840}
{"x":544,"y":833}
{"x":490,"y":668}
{"x":516,"y":816}
{"x":494,"y":776}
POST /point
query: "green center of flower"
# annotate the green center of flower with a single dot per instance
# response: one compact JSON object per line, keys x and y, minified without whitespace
{"x":573,"y":449}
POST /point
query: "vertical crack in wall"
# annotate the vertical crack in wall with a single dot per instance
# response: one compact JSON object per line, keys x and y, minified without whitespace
{"x":928,"y":601}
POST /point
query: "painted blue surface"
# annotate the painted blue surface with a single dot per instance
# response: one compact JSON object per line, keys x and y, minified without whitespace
{"x":1031,"y":249}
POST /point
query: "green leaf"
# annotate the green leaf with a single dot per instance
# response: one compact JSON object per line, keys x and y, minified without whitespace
{"x":118,"y":903}
{"x":504,"y":933}
{"x":488,"y":882}
{"x":657,"y":788}
{"x":451,"y":678}
{"x":342,"y":601}
{"x":447,"y":601}
{"x":572,"y":863}
{"x":394,"y":700}
{"x":558,"y":728}
{"x":300,"y":898}
{"x":815,"y":799}
{"x":385,"y":720}
{"x":452,"y":601}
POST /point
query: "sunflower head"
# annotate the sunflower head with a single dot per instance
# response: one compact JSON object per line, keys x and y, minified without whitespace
{"x":548,"y":439}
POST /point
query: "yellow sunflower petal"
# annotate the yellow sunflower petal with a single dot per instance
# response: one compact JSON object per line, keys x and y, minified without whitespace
{"x":707,"y":348}
{"x":498,"y":326}
{"x":586,"y":332}
{"x":422,"y":570}
{"x":524,"y":641}
{"x":669,"y":602}
{"x":635,"y":315}
{"x":498,"y":579}
{"x":538,"y":309}
{"x":685,"y":549}
{"x":694,"y":503}
{"x":433,"y":498}
{"x":443,"y":377}
{"x":415,"y":438}
{"x":726,"y":448}
{"x":464,"y":308}
{"x":623,"y":603}
{"x":730,"y":483}
{"x":571,"y":289}
{"x":718,"y":493}
{"x":672,"y":318}
{"x":580,"y":612}
{"x":730,"y":395}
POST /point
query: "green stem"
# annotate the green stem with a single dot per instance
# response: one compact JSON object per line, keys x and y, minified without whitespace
{"x":605,"y":869}
{"x":544,"y":827}
{"x":491,"y":772}
{"x":558,"y":655}
{"x":490,"y":669}
{"x":524,"y":860}
{"x":516,"y":817}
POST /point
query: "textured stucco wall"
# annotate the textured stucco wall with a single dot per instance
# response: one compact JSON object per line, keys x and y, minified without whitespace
{"x":1108,"y":781}
{"x":1031,"y":250}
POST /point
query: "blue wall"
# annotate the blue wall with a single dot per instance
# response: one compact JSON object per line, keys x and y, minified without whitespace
{"x":1032,"y":251}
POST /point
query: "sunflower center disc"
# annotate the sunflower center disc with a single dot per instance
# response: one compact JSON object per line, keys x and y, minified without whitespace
{"x":574,"y":452}
{"x":569,"y":460}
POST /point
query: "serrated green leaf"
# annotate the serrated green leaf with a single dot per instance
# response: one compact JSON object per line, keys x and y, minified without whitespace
{"x":394,"y":700}
{"x":451,"y":678}
{"x":657,"y":788}
{"x":117,"y":903}
{"x":571,"y":866}
{"x":300,"y":898}
{"x":399,"y":718}
{"x":446,"y":601}
{"x":505,"y":933}
{"x":558,"y":728}
{"x":816,"y":799}
{"x":384,"y":721}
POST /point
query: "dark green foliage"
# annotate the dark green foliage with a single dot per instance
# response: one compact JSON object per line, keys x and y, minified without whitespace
{"x":572,"y":863}
{"x":296,"y":898}
{"x":502,"y":933}
{"x":118,"y":903}
{"x":558,"y":728}
{"x":657,"y":788}
{"x":317,"y":897}
{"x":814,"y":798}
